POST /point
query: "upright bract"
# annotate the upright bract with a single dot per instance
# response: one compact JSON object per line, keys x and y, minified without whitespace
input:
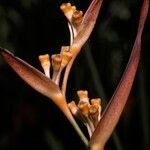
{"x":115,"y":107}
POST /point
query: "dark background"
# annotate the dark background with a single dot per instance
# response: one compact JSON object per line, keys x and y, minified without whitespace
{"x":29,"y":28}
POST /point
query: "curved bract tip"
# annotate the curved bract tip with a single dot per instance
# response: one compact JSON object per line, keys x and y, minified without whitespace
{"x":88,"y":22}
{"x":36,"y":79}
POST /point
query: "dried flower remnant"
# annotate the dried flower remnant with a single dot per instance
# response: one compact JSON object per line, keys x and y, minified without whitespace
{"x":45,"y":63}
{"x":95,"y":110}
{"x":88,"y":111}
{"x":56,"y":64}
{"x":77,"y":18}
{"x":74,"y":17}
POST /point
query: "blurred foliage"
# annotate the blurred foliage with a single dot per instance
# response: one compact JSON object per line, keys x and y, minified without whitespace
{"x":33,"y":27}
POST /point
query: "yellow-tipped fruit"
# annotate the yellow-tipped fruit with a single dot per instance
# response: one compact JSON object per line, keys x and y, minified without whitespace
{"x":77,"y":18}
{"x":66,"y":57}
{"x":84,"y":108}
{"x":83,"y":96}
{"x":93,"y":109}
{"x":96,"y":101}
{"x":73,"y":108}
{"x":68,"y":10}
{"x":94,"y":114}
{"x":65,"y":48}
{"x":96,"y":104}
{"x":56,"y":62}
{"x":45,"y":63}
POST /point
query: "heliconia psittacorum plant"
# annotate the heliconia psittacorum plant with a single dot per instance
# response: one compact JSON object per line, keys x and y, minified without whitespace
{"x":99,"y":126}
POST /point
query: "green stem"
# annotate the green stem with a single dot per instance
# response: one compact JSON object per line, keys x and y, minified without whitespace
{"x":80,"y":133}
{"x":70,"y":117}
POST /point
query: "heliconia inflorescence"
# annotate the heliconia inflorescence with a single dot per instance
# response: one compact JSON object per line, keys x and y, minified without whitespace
{"x":99,"y":125}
